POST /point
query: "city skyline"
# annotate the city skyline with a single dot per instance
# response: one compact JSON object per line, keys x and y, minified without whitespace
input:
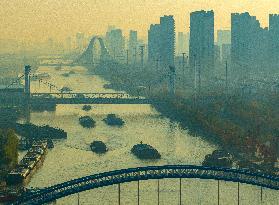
{"x":39,"y":20}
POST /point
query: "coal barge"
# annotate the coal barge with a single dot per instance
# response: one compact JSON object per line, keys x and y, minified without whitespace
{"x":38,"y":133}
{"x":113,"y":120}
{"x":145,"y":151}
{"x":98,"y":147}
{"x":33,"y":159}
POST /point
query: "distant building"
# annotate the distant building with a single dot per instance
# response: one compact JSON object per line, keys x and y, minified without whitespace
{"x":182,"y":43}
{"x":167,"y":40}
{"x":223,"y":37}
{"x":226,"y":53}
{"x":244,"y":27}
{"x":161,"y":42}
{"x":50,"y":44}
{"x":154,"y":36}
{"x":133,"y":44}
{"x":249,"y":43}
{"x":68,"y":44}
{"x":274,"y":38}
{"x":141,"y":42}
{"x":217,"y":54}
{"x":115,"y":43}
{"x":80,"y":41}
{"x":201,"y":49}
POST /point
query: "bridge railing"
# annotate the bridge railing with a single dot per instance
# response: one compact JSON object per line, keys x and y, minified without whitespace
{"x":153,"y":172}
{"x":85,"y":95}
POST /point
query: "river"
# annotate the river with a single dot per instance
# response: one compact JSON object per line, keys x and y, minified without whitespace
{"x":72,"y":158}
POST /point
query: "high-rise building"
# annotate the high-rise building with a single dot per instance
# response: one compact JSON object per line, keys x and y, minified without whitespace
{"x":115,"y":43}
{"x":182,"y":45}
{"x":274,"y":38}
{"x":161,"y":42}
{"x":243,"y":28}
{"x":201,"y":50}
{"x":249,"y":43}
{"x":154,"y":36}
{"x":133,"y":44}
{"x":167,"y":41}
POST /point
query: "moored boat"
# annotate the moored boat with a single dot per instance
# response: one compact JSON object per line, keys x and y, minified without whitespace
{"x":87,"y":122}
{"x":145,"y":151}
{"x":86,"y":107}
{"x":98,"y":147}
{"x":113,"y":120}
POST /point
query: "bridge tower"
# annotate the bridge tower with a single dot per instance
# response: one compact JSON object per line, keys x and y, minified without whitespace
{"x":27,"y":71}
{"x":27,"y":91}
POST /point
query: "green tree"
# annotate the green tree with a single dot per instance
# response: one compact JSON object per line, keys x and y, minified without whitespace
{"x":8,"y":148}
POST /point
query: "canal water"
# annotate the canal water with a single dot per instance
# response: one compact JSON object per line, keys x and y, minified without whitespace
{"x":72,"y":158}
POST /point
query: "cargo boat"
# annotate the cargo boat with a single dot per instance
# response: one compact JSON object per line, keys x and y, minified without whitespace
{"x":33,"y":159}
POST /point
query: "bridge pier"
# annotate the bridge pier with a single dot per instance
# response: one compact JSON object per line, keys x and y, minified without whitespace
{"x":261,"y":194}
{"x":158,"y":191}
{"x":180,"y":192}
{"x":78,"y":198}
{"x":238,"y":200}
{"x":138,"y":192}
{"x":218,"y":193}
{"x":118,"y":194}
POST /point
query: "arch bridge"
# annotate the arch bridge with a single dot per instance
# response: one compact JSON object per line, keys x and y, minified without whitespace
{"x":145,"y":173}
{"x":87,"y":57}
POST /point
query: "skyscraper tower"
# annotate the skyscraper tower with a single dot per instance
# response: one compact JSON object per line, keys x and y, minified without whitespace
{"x":133,"y":43}
{"x":115,"y":42}
{"x":167,"y":40}
{"x":201,"y":50}
{"x":161,"y":42}
{"x":249,"y":43}
{"x":154,"y":36}
{"x":274,"y":38}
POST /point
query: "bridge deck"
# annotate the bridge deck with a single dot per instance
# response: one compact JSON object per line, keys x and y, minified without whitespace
{"x":37,"y":101}
{"x":86,"y":98}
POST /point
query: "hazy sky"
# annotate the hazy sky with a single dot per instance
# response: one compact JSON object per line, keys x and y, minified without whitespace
{"x":36,"y":20}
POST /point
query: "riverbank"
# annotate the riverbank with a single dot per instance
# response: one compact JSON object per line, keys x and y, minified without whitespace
{"x":246,"y":127}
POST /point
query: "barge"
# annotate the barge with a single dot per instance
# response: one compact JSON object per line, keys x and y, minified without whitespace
{"x":25,"y":169}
